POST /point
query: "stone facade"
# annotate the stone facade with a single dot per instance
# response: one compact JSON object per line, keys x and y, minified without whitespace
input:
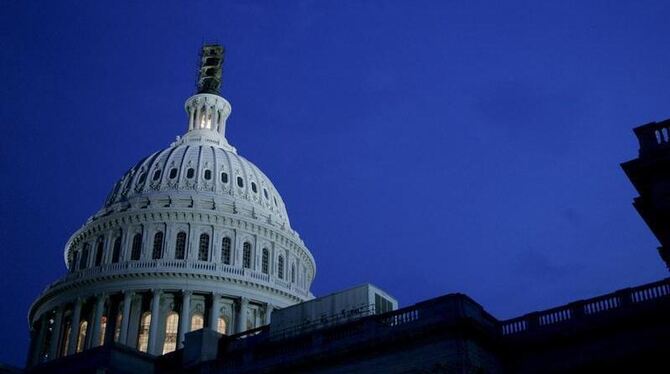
{"x":192,"y":236}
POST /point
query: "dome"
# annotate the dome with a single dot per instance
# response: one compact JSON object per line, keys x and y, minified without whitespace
{"x":207,"y":175}
{"x":192,"y":236}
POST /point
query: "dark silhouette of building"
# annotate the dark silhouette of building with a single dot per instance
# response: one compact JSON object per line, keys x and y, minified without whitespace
{"x":650,"y":174}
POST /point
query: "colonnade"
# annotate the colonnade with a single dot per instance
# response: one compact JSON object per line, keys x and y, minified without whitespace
{"x":142,"y":319}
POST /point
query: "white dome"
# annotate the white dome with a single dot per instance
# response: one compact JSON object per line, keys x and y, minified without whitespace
{"x":207,"y":174}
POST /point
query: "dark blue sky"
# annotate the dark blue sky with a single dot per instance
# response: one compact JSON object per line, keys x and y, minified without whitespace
{"x":426,"y":147}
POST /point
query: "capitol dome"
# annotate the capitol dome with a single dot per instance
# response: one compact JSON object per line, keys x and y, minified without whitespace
{"x":192,"y":236}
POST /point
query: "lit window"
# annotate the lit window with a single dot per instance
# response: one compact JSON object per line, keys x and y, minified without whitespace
{"x":66,"y":339}
{"x":180,"y":247}
{"x":266,"y":261}
{"x":103,"y":329}
{"x":203,"y":249}
{"x":208,"y":174}
{"x":158,"y":246}
{"x":240,"y":182}
{"x":116,"y":251}
{"x":224,"y":177}
{"x":246,"y":255}
{"x":197,"y":321}
{"x":157,"y":175}
{"x":225,"y":250}
{"x":81,"y":338}
{"x":221,"y":326}
{"x":173,"y":173}
{"x":280,"y":267}
{"x":190,"y":172}
{"x":117,"y":330}
{"x":253,"y":187}
{"x":98,"y":252}
{"x":171,"y":326}
{"x":137,"y":247}
{"x":143,"y":335}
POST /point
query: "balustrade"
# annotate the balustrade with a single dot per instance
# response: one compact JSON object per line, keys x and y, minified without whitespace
{"x":591,"y":307}
{"x":200,"y":267}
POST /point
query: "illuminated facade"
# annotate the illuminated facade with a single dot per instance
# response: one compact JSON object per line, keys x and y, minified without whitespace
{"x":192,"y":236}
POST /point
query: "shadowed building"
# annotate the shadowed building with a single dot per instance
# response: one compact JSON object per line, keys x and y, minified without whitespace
{"x":192,"y":253}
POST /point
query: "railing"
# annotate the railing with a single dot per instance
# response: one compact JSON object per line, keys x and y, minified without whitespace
{"x":207,"y":268}
{"x":400,"y":317}
{"x":601,"y":304}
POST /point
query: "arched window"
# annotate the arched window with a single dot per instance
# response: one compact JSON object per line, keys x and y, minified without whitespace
{"x":180,"y":246}
{"x":246,"y":255}
{"x":75,"y":261}
{"x":81,"y":339}
{"x":240,"y":182}
{"x":224,"y":177}
{"x":280,"y":267}
{"x":225,"y":250}
{"x":171,"y":326}
{"x":116,"y":251}
{"x":117,"y":330}
{"x":157,"y":175}
{"x":265,"y":264}
{"x":143,"y":336}
{"x":203,"y":116}
{"x":197,"y":321}
{"x":98,"y":252}
{"x":208,"y":174}
{"x":103,"y":330}
{"x":203,"y":248}
{"x":66,"y":338}
{"x":221,"y":326}
{"x":158,"y":246}
{"x":292,"y":273}
{"x":137,"y":247}
{"x":83,"y":262}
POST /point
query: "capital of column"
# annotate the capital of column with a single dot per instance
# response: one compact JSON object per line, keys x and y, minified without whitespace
{"x":187,"y":292}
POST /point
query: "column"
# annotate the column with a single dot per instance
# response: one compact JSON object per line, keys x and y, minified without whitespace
{"x":97,"y":317}
{"x":184,"y":317}
{"x":268,"y":311}
{"x":214,"y":312}
{"x":125,"y":317}
{"x":74,"y":328}
{"x":242,"y":315}
{"x":153,"y":326}
{"x":55,"y":334}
